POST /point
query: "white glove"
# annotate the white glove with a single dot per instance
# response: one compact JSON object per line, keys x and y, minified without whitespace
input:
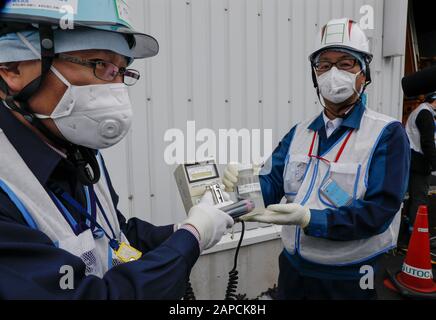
{"x":281,"y":214}
{"x":231,"y":175}
{"x":207,"y":199}
{"x":210,"y":222}
{"x":230,"y":178}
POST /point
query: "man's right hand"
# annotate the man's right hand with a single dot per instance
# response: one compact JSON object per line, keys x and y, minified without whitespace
{"x":210,"y":222}
{"x":230,"y":178}
{"x":231,"y":174}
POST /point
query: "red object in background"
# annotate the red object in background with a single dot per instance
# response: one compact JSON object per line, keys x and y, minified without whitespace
{"x":416,"y":275}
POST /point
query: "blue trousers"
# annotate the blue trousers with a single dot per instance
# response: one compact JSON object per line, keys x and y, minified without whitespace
{"x":293,"y":286}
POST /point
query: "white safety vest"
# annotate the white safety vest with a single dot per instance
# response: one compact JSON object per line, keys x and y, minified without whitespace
{"x":31,"y":197}
{"x":412,"y":128}
{"x":305,"y":176}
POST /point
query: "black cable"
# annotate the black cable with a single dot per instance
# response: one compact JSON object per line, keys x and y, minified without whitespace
{"x":86,"y":164}
{"x":189,"y":293}
{"x":233,"y":274}
{"x":337,"y":115}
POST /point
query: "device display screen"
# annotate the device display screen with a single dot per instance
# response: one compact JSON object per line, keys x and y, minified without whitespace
{"x":198,"y":172}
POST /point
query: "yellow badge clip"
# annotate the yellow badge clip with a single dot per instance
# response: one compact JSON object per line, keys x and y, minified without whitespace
{"x":127,"y":253}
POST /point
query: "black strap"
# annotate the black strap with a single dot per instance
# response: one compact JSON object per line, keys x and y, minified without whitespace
{"x":86,"y":164}
{"x":4,"y":86}
{"x":368,"y":75}
{"x":314,"y":79}
{"x":47,"y":55}
{"x":34,"y":121}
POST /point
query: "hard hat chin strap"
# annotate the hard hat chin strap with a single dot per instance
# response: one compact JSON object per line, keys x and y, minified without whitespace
{"x":333,"y":112}
{"x":47,"y":55}
{"x":346,"y":108}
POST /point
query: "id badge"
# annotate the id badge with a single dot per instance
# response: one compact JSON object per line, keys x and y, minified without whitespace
{"x":127,"y":253}
{"x":335,"y":194}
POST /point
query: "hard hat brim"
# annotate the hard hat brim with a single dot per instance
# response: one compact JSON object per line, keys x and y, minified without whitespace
{"x":312,"y":57}
{"x":143,"y":45}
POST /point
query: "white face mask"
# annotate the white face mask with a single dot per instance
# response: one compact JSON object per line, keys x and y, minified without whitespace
{"x":337,"y":85}
{"x":93,"y":116}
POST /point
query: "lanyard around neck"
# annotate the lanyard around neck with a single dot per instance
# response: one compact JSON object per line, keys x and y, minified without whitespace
{"x":59,"y":192}
{"x":339,"y":154}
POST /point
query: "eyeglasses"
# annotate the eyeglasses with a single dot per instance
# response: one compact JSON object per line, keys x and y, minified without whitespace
{"x":104,"y":70}
{"x":344,"y":64}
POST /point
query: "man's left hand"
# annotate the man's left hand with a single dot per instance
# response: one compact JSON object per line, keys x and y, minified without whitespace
{"x":281,"y":214}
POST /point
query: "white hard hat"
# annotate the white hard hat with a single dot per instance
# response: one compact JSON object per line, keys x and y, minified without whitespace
{"x":105,"y":15}
{"x":342,"y":34}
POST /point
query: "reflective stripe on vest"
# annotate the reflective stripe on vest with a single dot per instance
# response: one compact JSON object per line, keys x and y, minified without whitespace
{"x":20,"y":206}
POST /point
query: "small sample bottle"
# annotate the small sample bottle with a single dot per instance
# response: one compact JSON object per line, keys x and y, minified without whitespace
{"x":248,"y":185}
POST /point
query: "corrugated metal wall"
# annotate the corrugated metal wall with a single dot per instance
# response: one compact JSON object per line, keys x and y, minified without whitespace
{"x":228,"y":64}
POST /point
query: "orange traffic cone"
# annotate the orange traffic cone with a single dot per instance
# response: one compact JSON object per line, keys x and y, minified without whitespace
{"x":416,"y":277}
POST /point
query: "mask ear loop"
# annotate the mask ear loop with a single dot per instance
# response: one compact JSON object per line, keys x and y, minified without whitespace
{"x":36,"y":53}
{"x":29,"y":45}
{"x":60,"y":76}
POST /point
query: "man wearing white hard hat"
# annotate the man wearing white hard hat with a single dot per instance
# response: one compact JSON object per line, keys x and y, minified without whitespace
{"x":64,"y":96}
{"x":343,"y":173}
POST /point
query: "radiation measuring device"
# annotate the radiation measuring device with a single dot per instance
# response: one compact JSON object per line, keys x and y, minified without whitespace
{"x":193,"y":180}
